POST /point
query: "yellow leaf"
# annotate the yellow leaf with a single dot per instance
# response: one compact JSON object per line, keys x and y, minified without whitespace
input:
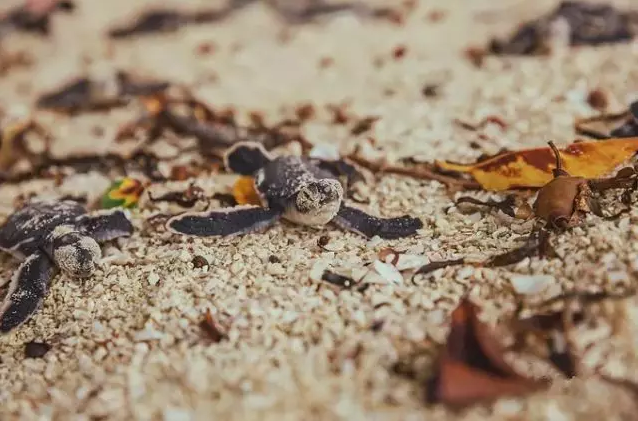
{"x":245,"y":193}
{"x":532,"y":168}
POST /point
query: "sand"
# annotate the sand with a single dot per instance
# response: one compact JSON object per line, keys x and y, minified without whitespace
{"x":126,"y":343}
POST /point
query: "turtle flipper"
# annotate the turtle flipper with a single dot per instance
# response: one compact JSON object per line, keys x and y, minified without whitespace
{"x":358,"y":221}
{"x":224,"y":222}
{"x":27,"y":290}
{"x":246,"y":158}
{"x":106,"y":226}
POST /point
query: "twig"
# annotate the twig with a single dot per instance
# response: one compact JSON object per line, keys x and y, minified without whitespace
{"x":419,"y":173}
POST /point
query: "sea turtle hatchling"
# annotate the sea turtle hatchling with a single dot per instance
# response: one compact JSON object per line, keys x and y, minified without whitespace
{"x":294,"y":188}
{"x":46,"y":235}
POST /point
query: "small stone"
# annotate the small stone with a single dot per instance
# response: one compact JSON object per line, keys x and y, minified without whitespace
{"x":36,"y":349}
{"x":199,"y":262}
{"x":374,"y":241}
{"x":335,"y":245}
{"x":465,"y":273}
{"x":153,"y":278}
{"x":430,"y":91}
{"x":617,"y":276}
{"x":323,"y":241}
{"x":531,"y":284}
{"x":176,"y":414}
{"x":317,"y":270}
{"x":148,"y":334}
{"x":388,"y":272}
{"x":236,"y":267}
{"x":411,"y":261}
{"x":325,"y":151}
{"x":275,"y":269}
{"x":598,"y":100}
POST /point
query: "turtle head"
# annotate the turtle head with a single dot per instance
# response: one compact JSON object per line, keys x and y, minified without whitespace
{"x":76,"y":254}
{"x":319,"y":201}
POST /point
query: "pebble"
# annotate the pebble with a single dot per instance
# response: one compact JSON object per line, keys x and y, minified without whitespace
{"x":531,"y":284}
{"x":388,"y":272}
{"x":153,"y":278}
{"x":176,"y":414}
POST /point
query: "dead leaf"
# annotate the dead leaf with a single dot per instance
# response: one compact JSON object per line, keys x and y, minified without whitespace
{"x":532,"y":168}
{"x":472,"y":367}
{"x":210,"y":326}
{"x":245,"y":193}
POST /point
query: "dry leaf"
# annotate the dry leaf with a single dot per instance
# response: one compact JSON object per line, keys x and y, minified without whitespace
{"x":213,"y":330}
{"x":471,"y":367}
{"x":125,"y":193}
{"x":532,"y":168}
{"x":245,"y":193}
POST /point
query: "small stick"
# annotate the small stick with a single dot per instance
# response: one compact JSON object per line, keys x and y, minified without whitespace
{"x":419,"y":173}
{"x":558,"y":171}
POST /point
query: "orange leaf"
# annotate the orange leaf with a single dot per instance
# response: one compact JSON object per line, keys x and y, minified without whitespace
{"x":245,"y":193}
{"x":532,"y":168}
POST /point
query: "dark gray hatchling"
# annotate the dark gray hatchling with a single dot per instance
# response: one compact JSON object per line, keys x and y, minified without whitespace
{"x":45,"y":236}
{"x":294,"y":188}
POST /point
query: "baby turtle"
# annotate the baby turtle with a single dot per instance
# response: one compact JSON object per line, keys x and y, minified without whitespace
{"x":49,"y":234}
{"x":294,"y":188}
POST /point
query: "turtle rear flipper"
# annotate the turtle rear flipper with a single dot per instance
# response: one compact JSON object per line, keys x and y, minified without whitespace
{"x":224,"y":222}
{"x":246,"y":158}
{"x":358,"y":221}
{"x":27,"y":290}
{"x":106,"y":226}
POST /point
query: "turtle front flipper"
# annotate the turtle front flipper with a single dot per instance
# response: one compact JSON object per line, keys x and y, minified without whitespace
{"x":106,"y":226}
{"x":246,"y":158}
{"x":358,"y":221}
{"x":224,"y":222}
{"x":27,"y":290}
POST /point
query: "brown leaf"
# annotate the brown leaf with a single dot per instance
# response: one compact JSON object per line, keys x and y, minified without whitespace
{"x":36,"y":349}
{"x":212,"y":328}
{"x":553,"y":326}
{"x":472,"y":367}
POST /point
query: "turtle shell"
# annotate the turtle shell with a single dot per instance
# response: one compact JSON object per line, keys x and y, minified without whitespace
{"x":25,"y":230}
